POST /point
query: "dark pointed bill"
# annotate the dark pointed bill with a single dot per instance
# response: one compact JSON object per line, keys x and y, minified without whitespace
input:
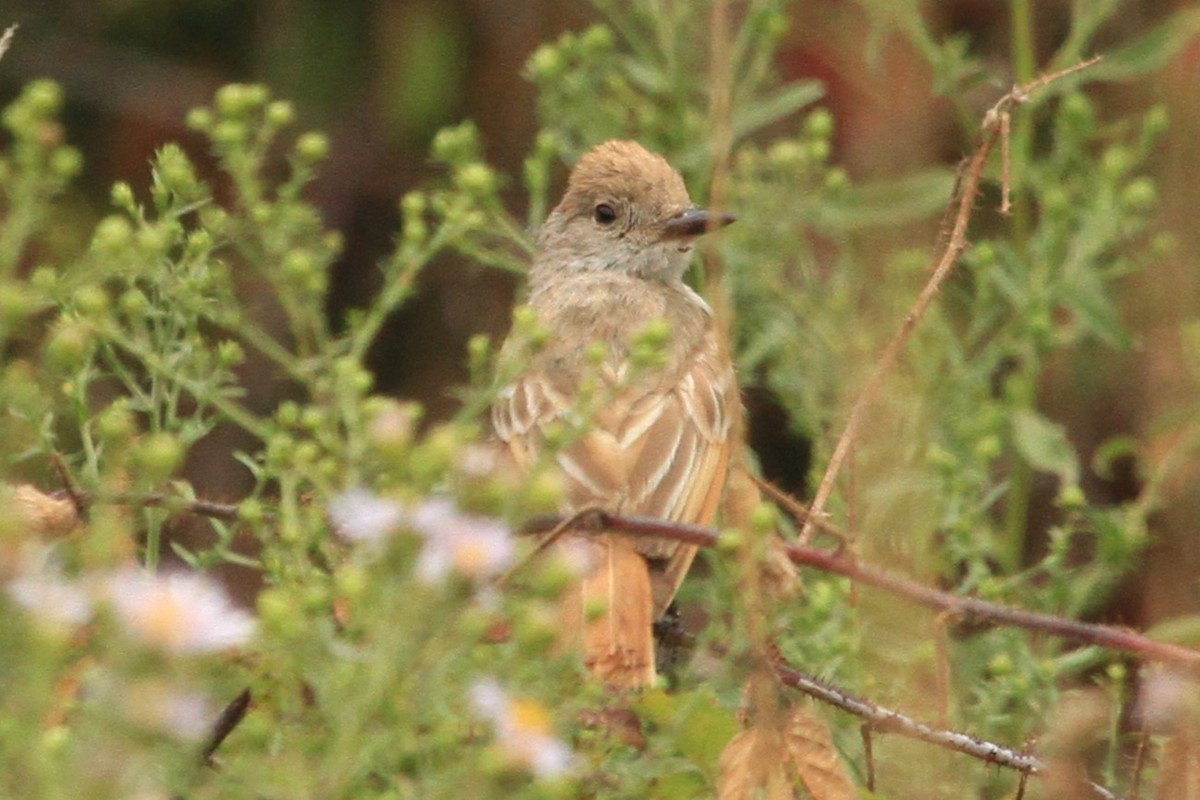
{"x":695,"y":221}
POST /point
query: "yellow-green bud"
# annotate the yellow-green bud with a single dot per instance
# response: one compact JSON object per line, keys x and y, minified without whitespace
{"x":251,"y":510}
{"x":1071,"y":497}
{"x":44,"y":279}
{"x":44,"y":97}
{"x":112,"y":234}
{"x":763,"y":518}
{"x":312,"y":147}
{"x":66,"y":162}
{"x":200,"y":119}
{"x":92,"y":301}
{"x":1140,"y":195}
{"x":230,"y":354}
{"x":133,"y":302}
{"x":158,"y":456}
{"x":819,"y":124}
{"x":476,"y":178}
{"x":729,"y":541}
{"x":229,"y":133}
{"x":546,"y":63}
{"x":69,"y":344}
{"x":280,"y":113}
{"x":596,"y":39}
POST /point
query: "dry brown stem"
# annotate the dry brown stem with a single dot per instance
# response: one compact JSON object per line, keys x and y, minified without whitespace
{"x":6,"y":39}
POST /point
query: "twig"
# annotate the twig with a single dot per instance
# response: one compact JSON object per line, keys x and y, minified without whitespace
{"x":574,"y":521}
{"x":230,"y":718}
{"x":1005,"y":163}
{"x":884,"y":720}
{"x":1139,"y":763}
{"x":868,"y":754}
{"x":204,"y":508}
{"x":793,"y":507}
{"x":963,"y":608}
{"x":74,"y":493}
{"x":956,"y":244}
{"x":6,"y":38}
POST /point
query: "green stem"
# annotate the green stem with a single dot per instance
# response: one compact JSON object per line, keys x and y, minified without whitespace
{"x":1023,"y":387}
{"x":1024,"y":67}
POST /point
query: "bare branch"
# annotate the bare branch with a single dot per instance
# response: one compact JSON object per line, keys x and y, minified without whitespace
{"x":227,"y":512}
{"x":884,"y":720}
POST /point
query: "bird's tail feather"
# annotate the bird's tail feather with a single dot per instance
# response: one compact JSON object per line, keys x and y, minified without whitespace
{"x":609,"y":614}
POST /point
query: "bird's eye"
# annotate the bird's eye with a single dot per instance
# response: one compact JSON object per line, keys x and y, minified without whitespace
{"x":605,"y":214}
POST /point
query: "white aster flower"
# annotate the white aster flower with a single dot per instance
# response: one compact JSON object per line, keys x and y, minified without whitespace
{"x":178,"y":613}
{"x":361,"y":516}
{"x":51,"y":597}
{"x":1166,"y":699}
{"x":168,"y":709}
{"x":522,"y":729}
{"x":475,"y":547}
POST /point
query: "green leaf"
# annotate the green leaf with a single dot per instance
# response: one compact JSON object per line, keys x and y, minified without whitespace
{"x":699,"y":725}
{"x":1044,"y":445}
{"x":703,"y":733}
{"x":896,"y":202}
{"x":773,"y":107}
{"x":1152,"y":51}
{"x":681,"y":784}
{"x":1086,"y":294}
{"x":1086,"y":18}
{"x":1178,"y":630}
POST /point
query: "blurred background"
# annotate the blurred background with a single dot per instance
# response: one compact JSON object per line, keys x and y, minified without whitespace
{"x":382,"y":77}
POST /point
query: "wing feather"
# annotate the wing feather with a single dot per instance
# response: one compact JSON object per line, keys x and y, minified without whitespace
{"x":659,"y":448}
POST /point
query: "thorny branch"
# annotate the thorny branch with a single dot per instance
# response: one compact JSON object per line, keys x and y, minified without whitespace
{"x":968,"y":609}
{"x":884,"y":720}
{"x":995,"y":121}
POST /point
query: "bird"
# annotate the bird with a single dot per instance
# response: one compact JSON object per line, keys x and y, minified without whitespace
{"x":654,"y":435}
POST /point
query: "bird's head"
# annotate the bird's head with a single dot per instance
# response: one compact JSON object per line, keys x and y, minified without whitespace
{"x":625,"y":209}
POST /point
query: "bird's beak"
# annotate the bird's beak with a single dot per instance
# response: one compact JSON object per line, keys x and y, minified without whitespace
{"x":693,"y":222}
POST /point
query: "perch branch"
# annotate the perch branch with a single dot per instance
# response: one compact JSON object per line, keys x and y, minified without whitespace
{"x":963,"y":608}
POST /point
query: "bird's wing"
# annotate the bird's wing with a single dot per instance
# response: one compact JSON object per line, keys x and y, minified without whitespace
{"x":657,"y":449}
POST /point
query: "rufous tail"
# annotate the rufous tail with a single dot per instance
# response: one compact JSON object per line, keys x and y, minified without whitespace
{"x":610,"y":615}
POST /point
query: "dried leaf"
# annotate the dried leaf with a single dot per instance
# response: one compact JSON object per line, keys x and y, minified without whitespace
{"x":754,"y":767}
{"x":1180,"y":774}
{"x":810,"y":744}
{"x":42,"y":514}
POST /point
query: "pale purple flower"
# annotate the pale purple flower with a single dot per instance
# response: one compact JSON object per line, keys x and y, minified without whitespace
{"x":178,"y":613}
{"x":475,"y":547}
{"x":361,"y":516}
{"x":522,"y":729}
{"x":1166,"y":698}
{"x":51,"y":597}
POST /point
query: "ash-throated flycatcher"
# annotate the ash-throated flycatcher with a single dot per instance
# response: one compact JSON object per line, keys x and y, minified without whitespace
{"x":656,"y":439}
